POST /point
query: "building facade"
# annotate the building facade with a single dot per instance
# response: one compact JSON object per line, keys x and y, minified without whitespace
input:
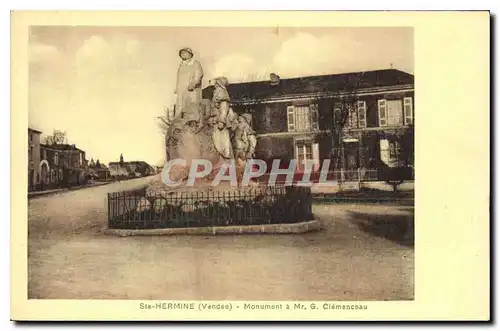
{"x":359,"y":121}
{"x":33,"y":158}
{"x":62,"y":165}
{"x":99,"y":171}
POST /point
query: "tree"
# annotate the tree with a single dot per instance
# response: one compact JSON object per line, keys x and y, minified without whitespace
{"x":92,"y":164}
{"x":98,"y":164}
{"x":344,"y":104}
{"x":165,"y":120}
{"x":404,"y":139}
{"x":57,"y":137}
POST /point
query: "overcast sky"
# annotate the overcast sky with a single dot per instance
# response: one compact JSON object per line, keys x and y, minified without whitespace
{"x":105,"y":86}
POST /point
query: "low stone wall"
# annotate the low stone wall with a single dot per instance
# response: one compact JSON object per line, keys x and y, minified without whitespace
{"x":288,"y":228}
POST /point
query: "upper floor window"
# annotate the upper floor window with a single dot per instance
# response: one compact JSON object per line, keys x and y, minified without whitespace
{"x":81,"y":158}
{"x":31,"y":152}
{"x":56,"y":158}
{"x":302,"y":118}
{"x":357,"y":115}
{"x":408,"y":110}
{"x":395,"y":112}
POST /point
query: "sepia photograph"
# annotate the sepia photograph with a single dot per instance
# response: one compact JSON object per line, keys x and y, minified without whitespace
{"x":212,"y":166}
{"x":301,"y":139}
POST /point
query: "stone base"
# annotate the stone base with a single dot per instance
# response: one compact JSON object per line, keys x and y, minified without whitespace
{"x":288,"y":228}
{"x":158,"y":188}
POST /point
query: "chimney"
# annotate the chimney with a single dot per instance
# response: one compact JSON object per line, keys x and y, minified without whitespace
{"x":275,"y":79}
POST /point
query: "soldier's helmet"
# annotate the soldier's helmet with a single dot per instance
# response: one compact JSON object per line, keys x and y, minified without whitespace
{"x":187,"y":49}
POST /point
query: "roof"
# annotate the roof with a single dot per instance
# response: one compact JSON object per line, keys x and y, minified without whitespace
{"x":125,"y":163}
{"x":262,"y":90}
{"x":116,"y":162}
{"x":33,"y":130}
{"x":62,"y":147}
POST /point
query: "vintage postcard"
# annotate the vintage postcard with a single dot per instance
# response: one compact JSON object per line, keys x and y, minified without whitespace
{"x":250,"y":166}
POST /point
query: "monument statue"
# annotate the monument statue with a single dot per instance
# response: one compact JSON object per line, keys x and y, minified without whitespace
{"x":205,"y":129}
{"x":245,"y":140}
{"x":188,"y":87}
{"x":222,"y":119}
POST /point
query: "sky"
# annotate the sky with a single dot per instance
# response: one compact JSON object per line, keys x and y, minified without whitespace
{"x":105,"y":86}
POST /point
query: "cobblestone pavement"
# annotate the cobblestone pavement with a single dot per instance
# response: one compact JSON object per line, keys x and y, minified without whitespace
{"x":365,"y":252}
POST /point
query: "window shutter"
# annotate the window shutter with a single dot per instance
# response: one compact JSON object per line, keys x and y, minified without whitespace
{"x":362,"y":114}
{"x":408,"y":110}
{"x":290,"y":118}
{"x":382,"y":112}
{"x":314,"y":117}
{"x":299,"y":155}
{"x":315,"y":154}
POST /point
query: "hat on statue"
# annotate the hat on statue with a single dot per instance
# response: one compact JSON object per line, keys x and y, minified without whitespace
{"x":247,"y":117}
{"x":187,"y":49}
{"x":221,"y":81}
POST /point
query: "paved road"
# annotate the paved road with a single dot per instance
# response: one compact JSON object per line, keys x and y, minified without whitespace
{"x":365,"y":252}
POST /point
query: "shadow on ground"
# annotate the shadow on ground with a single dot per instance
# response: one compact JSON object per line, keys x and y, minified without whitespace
{"x":398,"y":228}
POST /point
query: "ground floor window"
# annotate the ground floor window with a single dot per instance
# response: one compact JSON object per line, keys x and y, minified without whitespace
{"x":390,"y":152}
{"x":307,"y":151}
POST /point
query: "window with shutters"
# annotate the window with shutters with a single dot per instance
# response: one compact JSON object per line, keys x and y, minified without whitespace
{"x":394,"y":112}
{"x":390,"y":112}
{"x":302,"y":118}
{"x":408,"y":110}
{"x":362,"y":114}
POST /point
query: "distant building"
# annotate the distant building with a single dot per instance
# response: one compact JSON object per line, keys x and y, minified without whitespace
{"x":100,"y":170}
{"x":130,"y":169}
{"x":33,"y":158}
{"x":62,"y":165}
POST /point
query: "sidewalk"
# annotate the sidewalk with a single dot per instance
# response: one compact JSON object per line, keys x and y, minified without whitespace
{"x":366,"y":192}
{"x":59,"y":190}
{"x":381,"y":186}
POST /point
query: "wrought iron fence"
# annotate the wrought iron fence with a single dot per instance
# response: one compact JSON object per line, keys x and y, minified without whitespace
{"x":264,"y":205}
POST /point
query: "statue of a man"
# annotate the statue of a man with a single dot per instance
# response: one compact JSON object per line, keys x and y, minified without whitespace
{"x":222,"y":118}
{"x":188,"y":88}
{"x":245,"y":140}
